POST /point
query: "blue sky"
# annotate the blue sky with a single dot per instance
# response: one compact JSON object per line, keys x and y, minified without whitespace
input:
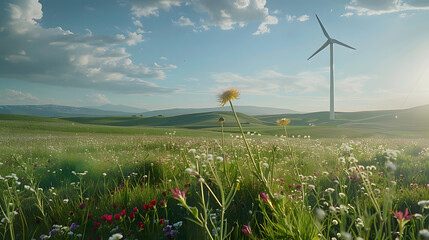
{"x":159,"y":54}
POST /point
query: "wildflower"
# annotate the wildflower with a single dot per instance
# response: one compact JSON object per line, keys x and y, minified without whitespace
{"x":424,"y":204}
{"x":228,"y":95}
{"x":283,"y":122}
{"x":135,"y":209}
{"x":335,"y":222}
{"x":123,"y":212}
{"x":132,"y":216}
{"x":82,"y":206}
{"x":140,"y":225}
{"x":117,"y":216}
{"x":177,"y":194}
{"x":153,"y":202}
{"x":73,"y":226}
{"x":342,"y":195}
{"x":116,"y":236}
{"x":97,"y":224}
{"x":221,"y":119}
{"x":65,"y":200}
{"x":53,"y":232}
{"x":402,"y":219}
{"x":246,"y":230}
{"x":115,"y":205}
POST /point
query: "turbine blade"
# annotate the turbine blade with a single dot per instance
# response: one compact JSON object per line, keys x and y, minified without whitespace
{"x":320,"y":49}
{"x":342,"y":44}
{"x":323,"y":28}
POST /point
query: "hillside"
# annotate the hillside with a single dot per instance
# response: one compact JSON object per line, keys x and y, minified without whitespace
{"x":57,"y":111}
{"x":248,"y":110}
{"x":197,"y":120}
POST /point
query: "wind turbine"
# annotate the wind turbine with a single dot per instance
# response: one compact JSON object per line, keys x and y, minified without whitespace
{"x":330,"y":42}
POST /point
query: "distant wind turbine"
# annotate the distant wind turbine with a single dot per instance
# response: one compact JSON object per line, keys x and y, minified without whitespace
{"x":330,"y":42}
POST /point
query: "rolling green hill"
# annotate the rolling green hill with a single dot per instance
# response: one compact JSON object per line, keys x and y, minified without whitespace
{"x":192,"y":121}
{"x":413,"y":122}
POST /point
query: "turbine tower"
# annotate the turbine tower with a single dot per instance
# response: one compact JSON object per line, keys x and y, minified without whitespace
{"x":330,"y":42}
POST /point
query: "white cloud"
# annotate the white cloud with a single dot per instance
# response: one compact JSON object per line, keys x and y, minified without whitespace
{"x":303,"y":18}
{"x":163,"y":58}
{"x":372,"y":7}
{"x":32,"y":53}
{"x":137,"y":23}
{"x":11,"y":96}
{"x":353,"y":85}
{"x":225,"y":14}
{"x":270,"y":82}
{"x":347,"y":14}
{"x":96,"y":98}
{"x":184,"y":21}
{"x":164,"y":66}
{"x":146,"y":8}
{"x":290,"y":18}
{"x":262,"y":29}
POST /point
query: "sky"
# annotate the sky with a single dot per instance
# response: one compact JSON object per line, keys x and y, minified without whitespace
{"x":160,"y":54}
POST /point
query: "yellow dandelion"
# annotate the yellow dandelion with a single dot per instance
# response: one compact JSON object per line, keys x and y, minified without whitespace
{"x":221,"y":119}
{"x":283,"y":121}
{"x":228,"y":95}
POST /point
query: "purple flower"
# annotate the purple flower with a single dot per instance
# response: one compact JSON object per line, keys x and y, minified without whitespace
{"x":53,"y":232}
{"x":73,"y":226}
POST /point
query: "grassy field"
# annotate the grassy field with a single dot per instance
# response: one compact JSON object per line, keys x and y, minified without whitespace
{"x":179,"y":179}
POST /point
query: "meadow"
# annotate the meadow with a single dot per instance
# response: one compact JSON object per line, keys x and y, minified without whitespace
{"x":65,"y":179}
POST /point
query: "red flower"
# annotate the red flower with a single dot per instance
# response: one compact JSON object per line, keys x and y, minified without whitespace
{"x":123,"y":213}
{"x":95,"y":229}
{"x":146,"y":206}
{"x":132,"y":216}
{"x":151,"y":207}
{"x":71,"y":212}
{"x":135,"y":209}
{"x":164,"y":193}
{"x":117,"y":216}
{"x":153,"y":202}
{"x":162,"y":203}
{"x":161,"y":220}
{"x":141,"y":225}
{"x":97,"y":224}
{"x":123,"y":206}
{"x":89,"y":216}
{"x":115,"y":205}
{"x":82,"y":206}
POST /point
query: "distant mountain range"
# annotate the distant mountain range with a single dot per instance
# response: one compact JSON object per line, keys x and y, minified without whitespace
{"x":248,"y":110}
{"x":57,"y":111}
{"x":118,"y":108}
{"x":122,"y":110}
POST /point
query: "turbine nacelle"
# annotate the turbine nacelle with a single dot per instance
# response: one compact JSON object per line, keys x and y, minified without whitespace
{"x":329,"y":41}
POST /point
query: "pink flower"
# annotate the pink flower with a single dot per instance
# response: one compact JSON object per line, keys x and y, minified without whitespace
{"x":123,"y":213}
{"x":399,"y":215}
{"x":246,"y":230}
{"x":264,"y":197}
{"x":132,"y":216}
{"x":117,"y":216}
{"x":177,"y":194}
{"x":135,"y":209}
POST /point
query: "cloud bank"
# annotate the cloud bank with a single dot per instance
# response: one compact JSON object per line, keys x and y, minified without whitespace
{"x":59,"y":57}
